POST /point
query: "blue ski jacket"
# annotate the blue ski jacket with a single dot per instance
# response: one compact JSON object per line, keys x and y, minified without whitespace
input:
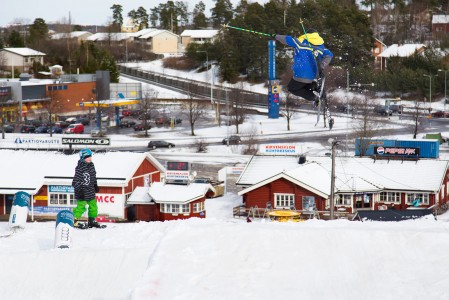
{"x":310,"y":58}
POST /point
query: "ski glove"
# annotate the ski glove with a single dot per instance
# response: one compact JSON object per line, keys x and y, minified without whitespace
{"x":97,"y":189}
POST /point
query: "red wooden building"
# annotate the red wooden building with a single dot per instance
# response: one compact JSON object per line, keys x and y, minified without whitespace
{"x":360,"y":183}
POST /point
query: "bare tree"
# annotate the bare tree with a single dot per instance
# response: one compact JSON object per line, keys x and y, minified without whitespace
{"x":419,"y":113}
{"x":53,"y":105}
{"x":148,"y":107}
{"x":366,"y":125}
{"x":194,"y":110}
{"x":238,"y":110}
{"x":288,"y":105}
{"x":250,"y":142}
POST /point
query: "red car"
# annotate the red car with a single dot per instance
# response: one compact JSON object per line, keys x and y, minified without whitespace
{"x":440,"y":114}
{"x":141,"y":127}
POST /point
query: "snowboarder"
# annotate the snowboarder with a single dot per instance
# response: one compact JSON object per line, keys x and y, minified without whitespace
{"x":309,"y":63}
{"x":85,"y":185}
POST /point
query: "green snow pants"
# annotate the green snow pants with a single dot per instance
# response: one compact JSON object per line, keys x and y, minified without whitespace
{"x":81,"y":208}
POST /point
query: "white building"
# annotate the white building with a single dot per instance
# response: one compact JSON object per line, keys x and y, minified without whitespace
{"x":20,"y":58}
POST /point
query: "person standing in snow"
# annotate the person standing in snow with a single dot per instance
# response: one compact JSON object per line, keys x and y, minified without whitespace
{"x":85,"y":185}
{"x":309,"y":63}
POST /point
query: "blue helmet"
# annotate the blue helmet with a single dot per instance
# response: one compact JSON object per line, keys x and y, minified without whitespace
{"x":84,"y":153}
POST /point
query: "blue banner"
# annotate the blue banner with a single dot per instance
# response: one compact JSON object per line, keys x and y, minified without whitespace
{"x":271,"y":60}
{"x":61,"y":189}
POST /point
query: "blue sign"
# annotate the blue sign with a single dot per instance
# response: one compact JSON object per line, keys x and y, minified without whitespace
{"x":47,"y":210}
{"x":64,"y":216}
{"x":61,"y":189}
{"x":21,"y":199}
{"x":271,"y":60}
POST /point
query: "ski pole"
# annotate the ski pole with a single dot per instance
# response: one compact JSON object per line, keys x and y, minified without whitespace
{"x":247,"y":30}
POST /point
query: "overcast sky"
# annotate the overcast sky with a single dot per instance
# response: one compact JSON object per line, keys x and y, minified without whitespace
{"x":83,"y":12}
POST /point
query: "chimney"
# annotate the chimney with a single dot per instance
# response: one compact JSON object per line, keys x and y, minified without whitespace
{"x":302,"y":159}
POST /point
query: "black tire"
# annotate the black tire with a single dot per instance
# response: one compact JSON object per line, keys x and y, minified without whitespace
{"x":169,"y":146}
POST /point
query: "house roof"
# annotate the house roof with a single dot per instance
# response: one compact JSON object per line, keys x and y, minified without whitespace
{"x":113,"y":168}
{"x":440,"y":19}
{"x":405,"y":50}
{"x":353,"y":174}
{"x":24,"y":51}
{"x":155,"y":33}
{"x":201,"y":33}
{"x":73,"y":34}
{"x":174,"y":193}
{"x":140,"y":196}
{"x":143,"y":32}
{"x":261,"y":167}
{"x":114,"y":36}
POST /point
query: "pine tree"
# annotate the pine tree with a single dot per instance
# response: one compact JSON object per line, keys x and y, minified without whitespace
{"x":117,"y":18}
{"x":199,"y":18}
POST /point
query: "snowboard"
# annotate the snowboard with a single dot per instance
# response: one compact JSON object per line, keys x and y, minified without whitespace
{"x":84,"y":225}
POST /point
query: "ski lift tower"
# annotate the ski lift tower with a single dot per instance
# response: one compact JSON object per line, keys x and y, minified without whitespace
{"x":273,"y":84}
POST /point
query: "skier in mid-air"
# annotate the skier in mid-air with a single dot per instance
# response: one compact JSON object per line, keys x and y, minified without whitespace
{"x":310,"y":61}
{"x":85,"y":185}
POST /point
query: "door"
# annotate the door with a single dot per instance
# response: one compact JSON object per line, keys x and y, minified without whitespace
{"x":8,"y":204}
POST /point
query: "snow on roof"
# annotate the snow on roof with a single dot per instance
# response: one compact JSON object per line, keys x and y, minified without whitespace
{"x":353,"y":174}
{"x":440,"y":19}
{"x":402,"y":50}
{"x":114,"y":36}
{"x":174,"y":193}
{"x":24,"y":51}
{"x":203,"y":33}
{"x":142,"y":32}
{"x":140,"y":196}
{"x":35,"y":168}
{"x":262,"y":167}
{"x":73,"y":34}
{"x":154,"y":33}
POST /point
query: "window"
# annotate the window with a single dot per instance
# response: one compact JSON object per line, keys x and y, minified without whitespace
{"x":65,"y":199}
{"x":175,"y":208}
{"x":198,"y":207}
{"x":284,"y":200}
{"x":392,"y":197}
{"x":308,"y":203}
{"x":57,"y":87}
{"x":423,"y":198}
{"x":343,"y":199}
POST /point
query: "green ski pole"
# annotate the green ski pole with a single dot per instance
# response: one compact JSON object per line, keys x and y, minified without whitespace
{"x":247,"y":30}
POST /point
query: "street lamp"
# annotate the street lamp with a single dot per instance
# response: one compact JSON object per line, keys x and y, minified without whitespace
{"x":430,"y":90}
{"x":211,"y":83}
{"x":445,"y":82}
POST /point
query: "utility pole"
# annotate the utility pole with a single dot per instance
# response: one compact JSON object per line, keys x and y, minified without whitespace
{"x":445,"y":96}
{"x":334,"y":144}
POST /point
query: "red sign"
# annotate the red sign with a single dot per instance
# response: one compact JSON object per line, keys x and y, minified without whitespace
{"x":105,"y":199}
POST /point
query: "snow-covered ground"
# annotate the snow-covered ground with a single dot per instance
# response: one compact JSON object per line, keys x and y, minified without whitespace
{"x":221,"y":257}
{"x":224,"y":258}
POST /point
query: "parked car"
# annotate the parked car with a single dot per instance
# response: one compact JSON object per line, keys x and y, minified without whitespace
{"x":56,"y":129}
{"x":74,"y":128}
{"x":61,"y":124}
{"x":71,"y":120}
{"x":160,"y":144}
{"x":345,"y":108}
{"x":383,"y":110}
{"x":42,"y":129}
{"x":440,"y":114}
{"x":141,"y":127}
{"x":127,"y":123}
{"x":233,"y":140}
{"x":126,"y":112}
{"x":85,"y":121}
{"x":96,"y":131}
{"x":395,"y":108}
{"x":167,"y":121}
{"x":27,"y":129}
{"x":8,"y":128}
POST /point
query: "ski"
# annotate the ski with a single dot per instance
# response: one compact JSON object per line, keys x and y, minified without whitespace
{"x":84,"y":226}
{"x":6,"y":234}
{"x":320,"y":105}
